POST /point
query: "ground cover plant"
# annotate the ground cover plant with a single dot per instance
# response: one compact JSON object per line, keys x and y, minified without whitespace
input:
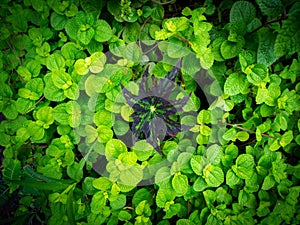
{"x":149,"y":112}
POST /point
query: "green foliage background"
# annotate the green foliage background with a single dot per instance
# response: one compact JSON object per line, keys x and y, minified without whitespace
{"x":245,"y":172}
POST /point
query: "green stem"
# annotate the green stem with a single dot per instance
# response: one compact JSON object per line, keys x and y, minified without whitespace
{"x":247,"y":130}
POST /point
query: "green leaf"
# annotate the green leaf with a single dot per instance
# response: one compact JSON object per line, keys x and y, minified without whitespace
{"x":184,"y":222}
{"x":85,"y":36}
{"x":232,"y":179}
{"x":279,"y":170}
{"x":97,"y":60}
{"x":268,"y":183}
{"x":124,"y":215}
{"x":190,"y":64}
{"x":140,"y":195}
{"x":173,"y":210}
{"x":95,"y":84}
{"x":231,"y":49}
{"x":176,"y":24}
{"x":176,"y":50}
{"x":230,"y":135}
{"x":70,"y":51}
{"x":143,"y":208}
{"x":117,"y":201}
{"x":258,"y":74}
{"x":243,"y":167}
{"x":204,"y":117}
{"x":75,"y":171}
{"x":247,"y":199}
{"x":197,"y":164}
{"x":104,"y":117}
{"x":183,"y":161}
{"x":45,"y":116}
{"x":180,"y":184}
{"x":5,"y":91}
{"x":72,"y":92}
{"x":286,"y":138}
{"x":102,"y":183}
{"x":70,"y":208}
{"x":104,"y":134}
{"x":287,"y":40}
{"x":98,"y":202}
{"x":56,"y":149}
{"x":103,"y":31}
{"x":131,"y":32}
{"x":262,"y":95}
{"x":33,"y":89}
{"x":51,"y":92}
{"x":83,"y":19}
{"x":200,"y":184}
{"x":163,"y":196}
{"x":114,"y":148}
{"x":88,"y":187}
{"x":121,"y":128}
{"x":9,"y":109}
{"x":22,"y":134}
{"x":91,"y":133}
{"x":72,"y":28}
{"x":131,"y":176}
{"x":12,"y":169}
{"x":158,"y":13}
{"x":55,"y":61}
{"x":92,"y":7}
{"x":61,"y":79}
{"x":265,"y":51}
{"x":242,"y":12}
{"x":52,"y":169}
{"x":68,"y":113}
{"x":235,"y":84}
{"x":133,"y":53}
{"x":242,"y":135}
{"x":271,"y":8}
{"x":213,"y":175}
{"x":58,"y":22}
{"x":24,"y":73}
{"x":36,"y":131}
{"x":214,"y":154}
{"x":142,"y":149}
{"x":162,"y":175}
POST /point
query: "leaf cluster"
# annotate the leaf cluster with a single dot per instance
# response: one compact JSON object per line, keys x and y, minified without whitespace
{"x":65,"y":154}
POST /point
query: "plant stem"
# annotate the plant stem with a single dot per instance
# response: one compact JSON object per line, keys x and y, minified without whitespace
{"x":183,"y":39}
{"x":31,"y":107}
{"x":284,"y":17}
{"x":35,"y":146}
{"x":151,"y":49}
{"x":245,"y":129}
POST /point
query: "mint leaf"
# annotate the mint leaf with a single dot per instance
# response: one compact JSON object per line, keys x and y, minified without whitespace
{"x":180,"y":184}
{"x":55,"y":61}
{"x":235,"y":84}
{"x":103,"y":31}
{"x":242,"y":12}
{"x":265,"y":51}
{"x":213,"y":175}
{"x":287,"y":40}
{"x":243,"y":167}
{"x":271,"y":8}
{"x":231,"y":49}
{"x":58,"y":22}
